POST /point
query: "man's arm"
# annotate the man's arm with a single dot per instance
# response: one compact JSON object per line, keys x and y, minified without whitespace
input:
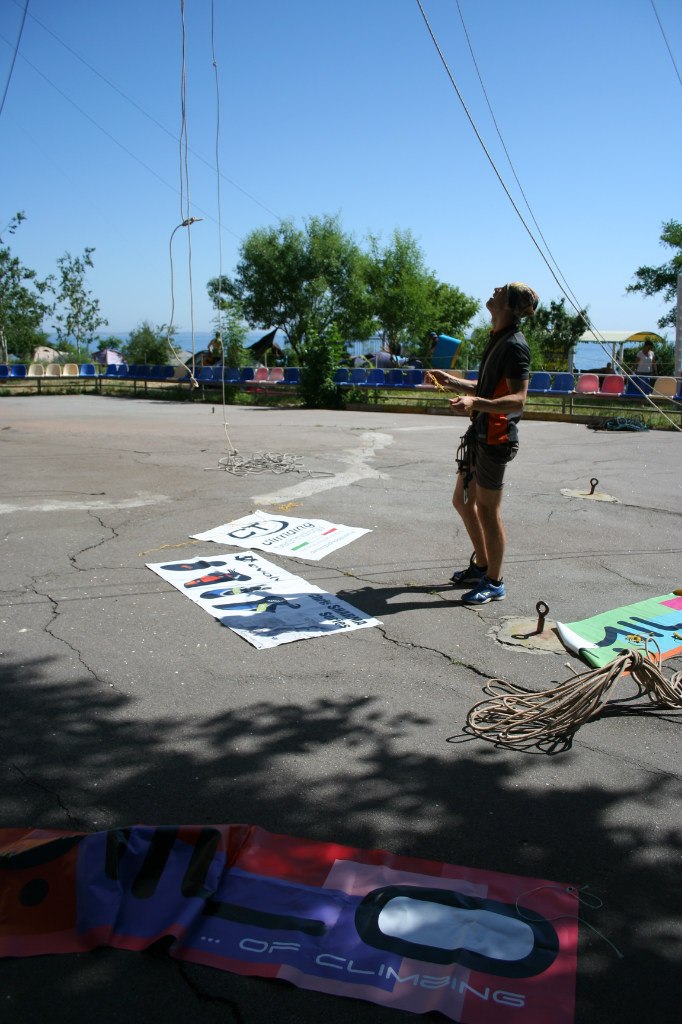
{"x":513,"y":402}
{"x":449,"y":381}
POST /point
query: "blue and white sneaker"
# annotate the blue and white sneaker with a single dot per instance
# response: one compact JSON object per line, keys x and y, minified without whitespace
{"x":485,"y":591}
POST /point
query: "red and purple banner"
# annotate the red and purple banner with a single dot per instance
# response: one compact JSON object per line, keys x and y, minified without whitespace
{"x":478,"y":946}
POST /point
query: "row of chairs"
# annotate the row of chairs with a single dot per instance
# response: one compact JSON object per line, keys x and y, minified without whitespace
{"x":612,"y":385}
{"x":19,"y":370}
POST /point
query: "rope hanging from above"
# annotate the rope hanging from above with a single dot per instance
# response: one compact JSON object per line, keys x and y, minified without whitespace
{"x":514,"y":716}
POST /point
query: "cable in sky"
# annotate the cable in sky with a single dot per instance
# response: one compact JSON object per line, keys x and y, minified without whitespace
{"x":665,"y":38}
{"x":146,"y":113}
{"x":14,"y":56}
{"x":513,"y":169}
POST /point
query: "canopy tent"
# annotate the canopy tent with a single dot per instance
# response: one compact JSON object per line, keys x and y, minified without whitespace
{"x":267,"y":344}
{"x":108,"y":357}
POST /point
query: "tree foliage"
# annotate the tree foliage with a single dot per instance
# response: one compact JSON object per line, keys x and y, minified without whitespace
{"x":230,"y":323}
{"x":552,"y":333}
{"x":147,"y":344}
{"x":78,"y":316}
{"x":400,"y":287}
{"x":300,"y":281}
{"x":320,"y":357}
{"x":654,"y":280}
{"x":23,"y":301}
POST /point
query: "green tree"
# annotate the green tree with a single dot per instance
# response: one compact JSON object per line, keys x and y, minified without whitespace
{"x":229,"y":322}
{"x":451,"y":313}
{"x":23,"y":302}
{"x":148,"y":344}
{"x":402,"y":290}
{"x":78,"y":316}
{"x":300,"y":281}
{"x":320,"y":357}
{"x":552,"y":333}
{"x":652,"y":280}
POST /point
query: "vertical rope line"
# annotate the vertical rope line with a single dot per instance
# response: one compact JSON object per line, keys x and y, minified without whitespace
{"x":219,"y":210}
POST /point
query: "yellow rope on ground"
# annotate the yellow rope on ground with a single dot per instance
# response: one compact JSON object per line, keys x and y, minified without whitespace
{"x":516,"y":717}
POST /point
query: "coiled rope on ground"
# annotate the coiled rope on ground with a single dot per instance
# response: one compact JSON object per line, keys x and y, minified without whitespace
{"x":514,"y":716}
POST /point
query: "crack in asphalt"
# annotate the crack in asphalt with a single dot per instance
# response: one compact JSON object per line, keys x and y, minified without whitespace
{"x":206,"y":996}
{"x":77,"y":822}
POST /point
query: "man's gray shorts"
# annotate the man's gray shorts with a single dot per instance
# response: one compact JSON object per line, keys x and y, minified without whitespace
{"x":490,"y":462}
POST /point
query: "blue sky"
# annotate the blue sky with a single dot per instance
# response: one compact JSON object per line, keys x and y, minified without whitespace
{"x":343,"y":107}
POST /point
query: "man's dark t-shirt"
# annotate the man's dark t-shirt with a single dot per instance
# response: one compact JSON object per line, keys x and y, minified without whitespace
{"x":506,"y":357}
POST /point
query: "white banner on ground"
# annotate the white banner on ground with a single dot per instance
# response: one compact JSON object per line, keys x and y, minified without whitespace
{"x":284,"y":535}
{"x":264,"y":604}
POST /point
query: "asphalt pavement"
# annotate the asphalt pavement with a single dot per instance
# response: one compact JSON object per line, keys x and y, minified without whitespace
{"x":124,"y":703}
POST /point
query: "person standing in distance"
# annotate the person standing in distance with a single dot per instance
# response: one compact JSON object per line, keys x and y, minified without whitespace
{"x":646,"y":360}
{"x":494,"y":404}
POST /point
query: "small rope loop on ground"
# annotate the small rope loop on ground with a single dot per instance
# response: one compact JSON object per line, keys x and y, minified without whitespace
{"x":514,"y":716}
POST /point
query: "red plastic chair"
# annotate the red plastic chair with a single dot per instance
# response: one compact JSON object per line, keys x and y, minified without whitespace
{"x":588,"y":384}
{"x":613,"y":385}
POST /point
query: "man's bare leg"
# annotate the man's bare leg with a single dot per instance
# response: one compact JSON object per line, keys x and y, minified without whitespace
{"x":482,"y":519}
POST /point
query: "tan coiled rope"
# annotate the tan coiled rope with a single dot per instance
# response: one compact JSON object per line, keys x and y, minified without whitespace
{"x":514,"y":716}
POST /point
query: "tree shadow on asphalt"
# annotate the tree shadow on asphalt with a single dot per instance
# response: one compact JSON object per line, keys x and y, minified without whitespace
{"x":76,"y":756}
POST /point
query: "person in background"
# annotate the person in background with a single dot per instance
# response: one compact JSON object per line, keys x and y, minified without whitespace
{"x":494,"y":403}
{"x":645,"y":363}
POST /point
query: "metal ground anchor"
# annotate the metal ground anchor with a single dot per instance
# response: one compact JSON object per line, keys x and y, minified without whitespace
{"x":593,"y":484}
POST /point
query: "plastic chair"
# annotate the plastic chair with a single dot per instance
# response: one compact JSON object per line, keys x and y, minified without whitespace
{"x":70,"y":370}
{"x":358,"y":376}
{"x":246,"y":374}
{"x":143,"y":372}
{"x":260,"y":374}
{"x":637,"y":387}
{"x":36,"y":370}
{"x":111,"y":370}
{"x":613,"y":385}
{"x":341,"y":376}
{"x":375,"y":378}
{"x":540,"y":383}
{"x":158,"y":372}
{"x":4,"y":371}
{"x":292,"y":375}
{"x":563,"y":384}
{"x":231,"y":375}
{"x":588,"y":384}
{"x":395,"y":379}
{"x":276,"y":375}
{"x":666,"y":387}
{"x":471,"y":375}
{"x":205,"y":375}
{"x":414,"y":378}
{"x":87,"y":370}
{"x":53,"y":370}
{"x":17,"y":370}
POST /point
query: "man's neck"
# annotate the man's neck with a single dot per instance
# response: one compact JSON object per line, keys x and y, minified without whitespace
{"x":501,"y":321}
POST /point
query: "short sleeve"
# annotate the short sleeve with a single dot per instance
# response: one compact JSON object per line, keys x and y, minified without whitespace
{"x":517,"y":359}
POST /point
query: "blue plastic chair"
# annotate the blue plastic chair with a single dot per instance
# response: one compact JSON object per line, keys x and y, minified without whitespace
{"x":341,"y":376}
{"x":563,"y":384}
{"x":376,"y":378}
{"x":246,"y":374}
{"x":131,"y":371}
{"x":143,"y":372}
{"x":87,"y":370}
{"x":471,"y":375}
{"x":4,"y":371}
{"x":232,"y":375}
{"x":358,"y":376}
{"x":637,"y":387}
{"x":540,"y":382}
{"x":111,"y":370}
{"x":292,"y":375}
{"x":17,"y":370}
{"x":414,"y":378}
{"x":395,"y":379}
{"x":205,"y":375}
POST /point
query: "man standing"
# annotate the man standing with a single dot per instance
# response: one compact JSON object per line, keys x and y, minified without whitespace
{"x":646,"y":360}
{"x":494,"y":403}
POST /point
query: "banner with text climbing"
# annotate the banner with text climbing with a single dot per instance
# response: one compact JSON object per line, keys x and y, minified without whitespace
{"x":284,"y":535}
{"x":480,"y":947}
